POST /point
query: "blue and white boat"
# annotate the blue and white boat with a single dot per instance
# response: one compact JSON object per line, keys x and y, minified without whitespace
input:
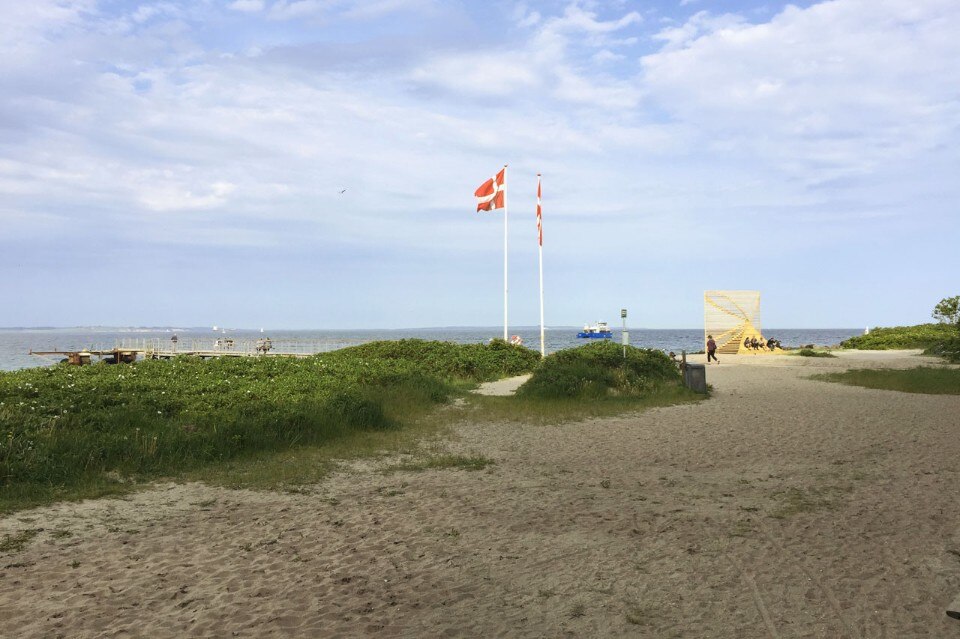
{"x":600,"y":330}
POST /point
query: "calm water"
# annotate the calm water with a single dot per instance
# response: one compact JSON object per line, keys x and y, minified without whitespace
{"x":15,"y":344}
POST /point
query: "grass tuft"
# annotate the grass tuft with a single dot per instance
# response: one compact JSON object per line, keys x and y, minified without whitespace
{"x":794,"y":501}
{"x":809,"y":352}
{"x":639,"y":615}
{"x":439,"y":462}
{"x":16,"y":543}
{"x":922,"y":379}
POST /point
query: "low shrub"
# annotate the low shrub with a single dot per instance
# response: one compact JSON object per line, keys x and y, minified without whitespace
{"x":901,"y":337}
{"x":809,"y":352}
{"x":948,"y":349}
{"x":599,"y":370}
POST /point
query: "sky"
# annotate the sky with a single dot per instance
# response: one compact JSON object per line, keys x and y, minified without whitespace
{"x":312,"y":163}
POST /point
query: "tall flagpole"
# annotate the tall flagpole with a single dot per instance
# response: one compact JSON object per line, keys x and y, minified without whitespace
{"x":543,"y":347}
{"x":505,"y":216}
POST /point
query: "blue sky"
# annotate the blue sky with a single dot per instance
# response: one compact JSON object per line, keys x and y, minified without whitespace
{"x":180,"y":163}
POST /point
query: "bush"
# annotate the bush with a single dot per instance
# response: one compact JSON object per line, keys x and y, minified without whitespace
{"x":64,"y":424}
{"x":598,"y":370}
{"x":900,"y":337}
{"x":949,"y":349}
{"x":474,"y":362}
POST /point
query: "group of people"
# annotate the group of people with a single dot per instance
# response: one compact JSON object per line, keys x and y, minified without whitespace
{"x":263,"y":345}
{"x":748,"y":343}
{"x":760,"y":345}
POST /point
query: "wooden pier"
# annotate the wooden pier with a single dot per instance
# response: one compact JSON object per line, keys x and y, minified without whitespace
{"x":128,"y":351}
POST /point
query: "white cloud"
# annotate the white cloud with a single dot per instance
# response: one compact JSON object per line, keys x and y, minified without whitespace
{"x":699,"y":24}
{"x":371,"y":9}
{"x":486,"y":74}
{"x":815,"y":119}
{"x":158,"y":193}
{"x":287,"y":10}
{"x":525,"y":18}
{"x":546,"y":65}
{"x":575,"y":19}
{"x":839,"y":89}
{"x":350,"y":9}
{"x":606,"y":55}
{"x":247,"y":6}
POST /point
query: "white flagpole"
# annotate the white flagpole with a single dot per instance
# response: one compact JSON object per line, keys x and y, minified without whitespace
{"x":543,"y":347}
{"x":505,"y":216}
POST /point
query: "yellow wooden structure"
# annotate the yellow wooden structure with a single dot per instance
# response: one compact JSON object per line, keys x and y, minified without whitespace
{"x":732,"y":317}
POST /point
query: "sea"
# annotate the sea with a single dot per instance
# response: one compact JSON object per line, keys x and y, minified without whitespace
{"x":16,"y":344}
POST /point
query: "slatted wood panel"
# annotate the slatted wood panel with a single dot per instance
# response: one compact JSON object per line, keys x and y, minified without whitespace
{"x":731,"y":317}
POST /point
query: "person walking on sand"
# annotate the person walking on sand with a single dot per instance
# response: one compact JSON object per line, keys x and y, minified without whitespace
{"x":711,"y":349}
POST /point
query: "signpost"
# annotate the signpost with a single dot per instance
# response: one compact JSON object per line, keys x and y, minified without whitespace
{"x":626,"y":335}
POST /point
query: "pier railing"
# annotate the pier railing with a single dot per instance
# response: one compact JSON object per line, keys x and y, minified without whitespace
{"x":133,"y":348}
{"x":224,"y":346}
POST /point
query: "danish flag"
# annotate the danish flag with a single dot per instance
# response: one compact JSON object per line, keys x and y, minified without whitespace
{"x":491,"y":193}
{"x":539,"y":214}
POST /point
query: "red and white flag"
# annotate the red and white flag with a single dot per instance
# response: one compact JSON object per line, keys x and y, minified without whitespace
{"x":491,"y":193}
{"x":539,"y":214}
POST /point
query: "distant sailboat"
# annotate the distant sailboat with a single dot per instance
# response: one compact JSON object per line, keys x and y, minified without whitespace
{"x":216,"y":328}
{"x":866,"y":331}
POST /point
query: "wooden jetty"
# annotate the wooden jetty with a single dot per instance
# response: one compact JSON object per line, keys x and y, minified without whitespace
{"x":130,"y":351}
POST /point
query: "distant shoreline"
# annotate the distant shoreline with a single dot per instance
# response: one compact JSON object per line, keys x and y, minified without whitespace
{"x":526,"y":327}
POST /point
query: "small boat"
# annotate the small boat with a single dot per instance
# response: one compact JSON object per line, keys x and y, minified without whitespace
{"x":600,"y":330}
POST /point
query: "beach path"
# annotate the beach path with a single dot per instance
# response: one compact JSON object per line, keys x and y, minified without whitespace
{"x":502,"y":387}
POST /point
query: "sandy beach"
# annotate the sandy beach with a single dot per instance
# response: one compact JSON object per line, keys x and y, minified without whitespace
{"x":780,"y":507}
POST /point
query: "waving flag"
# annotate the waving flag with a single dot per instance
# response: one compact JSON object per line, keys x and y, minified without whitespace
{"x":491,"y":193}
{"x":539,"y":214}
{"x":543,"y":341}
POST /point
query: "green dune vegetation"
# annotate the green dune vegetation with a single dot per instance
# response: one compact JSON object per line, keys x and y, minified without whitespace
{"x":68,"y":432}
{"x":922,"y":336}
{"x":601,"y":370}
{"x":922,"y":379}
{"x":73,"y":432}
{"x":941,"y":339}
{"x":590,"y":381}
